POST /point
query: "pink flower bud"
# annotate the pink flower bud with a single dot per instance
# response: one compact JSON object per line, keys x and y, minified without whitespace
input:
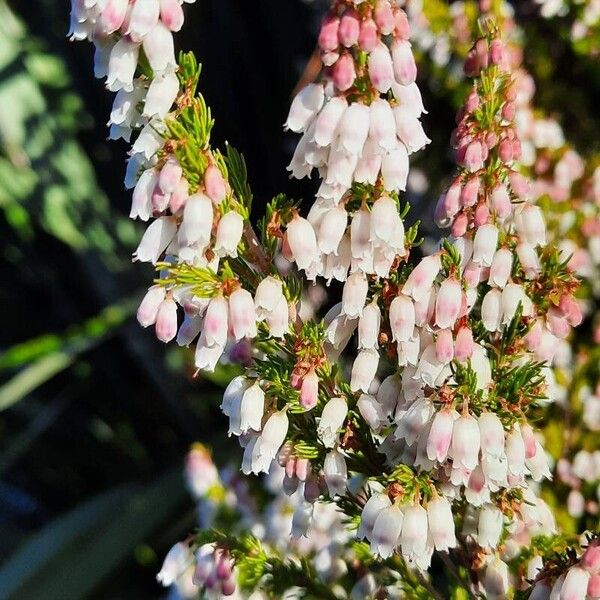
{"x":170,"y":175}
{"x":471,"y":65}
{"x":171,"y":14}
{"x":508,"y":111}
{"x":473,"y":159}
{"x":444,"y":346}
{"x":448,"y":303}
{"x":349,"y":29}
{"x":591,"y":558}
{"x":328,"y":36}
{"x":593,"y":589}
{"x":113,"y":15}
{"x":422,"y":277}
{"x":459,"y":227}
{"x":470,"y":192}
{"x":160,"y":201}
{"x":368,"y":37}
{"x":529,"y":441}
{"x":557,"y":323}
{"x":505,"y":150}
{"x":179,"y":196}
{"x":166,"y":320}
{"x":214,"y":184}
{"x":491,"y":139}
{"x":344,"y":73}
{"x":571,"y":309}
{"x":405,"y":68}
{"x":497,"y":52}
{"x":401,"y":24}
{"x":384,"y":17}
{"x":472,"y":274}
{"x":381,"y":69}
{"x":481,"y":50}
{"x":481,"y":215}
{"x":463,"y":345}
{"x":309,"y":391}
{"x":473,"y":102}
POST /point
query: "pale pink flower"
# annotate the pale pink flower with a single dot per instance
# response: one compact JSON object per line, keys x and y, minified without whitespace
{"x":381,"y":69}
{"x":353,"y":128}
{"x":354,"y":295}
{"x":491,"y":310}
{"x":159,"y":48}
{"x":305,"y":106}
{"x":332,"y":419}
{"x":242,"y":314}
{"x":448,"y":303}
{"x":328,"y":120}
{"x":364,"y":370}
{"x":121,"y":65}
{"x":216,"y":322}
{"x":394,"y":169}
{"x":155,"y":240}
{"x":161,"y":94}
{"x":382,"y":128}
{"x":441,"y":523}
{"x":368,"y":326}
{"x":421,"y":278}
{"x":229,"y":234}
{"x":148,"y":309}
{"x":371,"y":510}
{"x":405,"y":69}
{"x":409,"y":129}
{"x":440,"y":434}
{"x":465,"y":442}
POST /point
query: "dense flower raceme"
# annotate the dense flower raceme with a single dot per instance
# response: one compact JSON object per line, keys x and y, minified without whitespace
{"x":433,"y":420}
{"x":359,"y":123}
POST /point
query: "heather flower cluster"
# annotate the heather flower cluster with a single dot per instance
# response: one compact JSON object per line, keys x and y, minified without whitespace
{"x":405,"y":422}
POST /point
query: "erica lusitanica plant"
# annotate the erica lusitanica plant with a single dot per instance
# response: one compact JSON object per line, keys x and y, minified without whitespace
{"x":406,"y":434}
